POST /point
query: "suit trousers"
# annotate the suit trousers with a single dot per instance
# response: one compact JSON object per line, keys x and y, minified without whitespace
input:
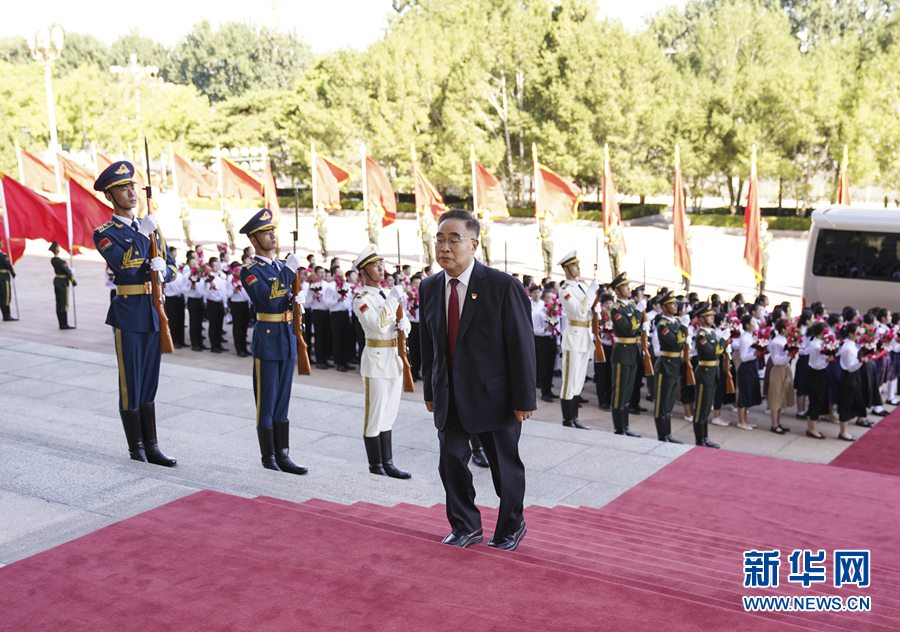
{"x":545,"y":353}
{"x":195,"y":312}
{"x":507,"y":474}
{"x":321,"y":321}
{"x":175,"y":313}
{"x":415,"y":351}
{"x":240,"y":320}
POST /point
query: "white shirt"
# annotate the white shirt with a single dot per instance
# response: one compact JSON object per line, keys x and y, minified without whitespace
{"x":539,"y":318}
{"x":746,"y":352}
{"x":818,"y":361}
{"x":216,"y":287}
{"x":850,"y":356}
{"x":460,"y":287}
{"x":777,"y":351}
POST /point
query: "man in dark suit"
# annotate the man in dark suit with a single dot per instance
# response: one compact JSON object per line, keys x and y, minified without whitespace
{"x":478,"y":372}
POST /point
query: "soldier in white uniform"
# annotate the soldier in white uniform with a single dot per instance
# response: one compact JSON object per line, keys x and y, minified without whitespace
{"x":380,"y":367}
{"x":576,"y":297}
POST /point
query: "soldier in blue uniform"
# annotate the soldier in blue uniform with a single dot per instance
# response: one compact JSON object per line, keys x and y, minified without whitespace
{"x":124,"y":242}
{"x":268,"y":282}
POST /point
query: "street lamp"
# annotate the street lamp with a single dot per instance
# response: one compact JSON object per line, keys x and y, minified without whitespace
{"x":46,"y":46}
{"x":134,"y":72}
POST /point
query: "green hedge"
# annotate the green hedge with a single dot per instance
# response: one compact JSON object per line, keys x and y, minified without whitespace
{"x":737,"y":221}
{"x":629,"y":211}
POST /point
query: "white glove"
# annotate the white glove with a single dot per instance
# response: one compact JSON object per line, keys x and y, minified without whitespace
{"x":148,"y":225}
{"x":292,"y":262}
{"x":397,"y":292}
{"x":592,"y":288}
{"x":300,"y":298}
{"x":404,"y":325}
{"x":158,"y":264}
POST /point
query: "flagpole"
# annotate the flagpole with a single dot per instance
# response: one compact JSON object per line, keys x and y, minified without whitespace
{"x":221,"y":188}
{"x":71,"y":255}
{"x":420,"y":213}
{"x":313,"y":167}
{"x":365,"y":188}
{"x":8,"y":242}
{"x":19,"y":162}
{"x":474,"y":185}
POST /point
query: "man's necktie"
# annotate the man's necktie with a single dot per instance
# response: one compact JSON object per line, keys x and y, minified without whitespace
{"x":382,"y":293}
{"x":134,"y":225}
{"x":452,"y":320}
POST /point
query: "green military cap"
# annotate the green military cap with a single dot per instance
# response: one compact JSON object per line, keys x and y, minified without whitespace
{"x":621,"y":279}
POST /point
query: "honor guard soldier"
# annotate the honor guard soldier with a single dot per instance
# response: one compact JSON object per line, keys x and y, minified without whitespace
{"x":62,"y":277}
{"x":268,"y":282}
{"x":125,"y":245}
{"x":672,"y":336}
{"x":7,"y":274}
{"x":626,"y":322}
{"x":381,"y":367}
{"x":709,"y":353}
{"x":577,"y":298}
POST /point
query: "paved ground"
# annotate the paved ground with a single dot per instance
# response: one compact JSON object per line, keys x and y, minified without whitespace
{"x":63,"y":470}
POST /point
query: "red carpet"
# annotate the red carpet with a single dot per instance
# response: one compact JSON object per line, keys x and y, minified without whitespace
{"x":876,"y":451}
{"x":667,"y":555}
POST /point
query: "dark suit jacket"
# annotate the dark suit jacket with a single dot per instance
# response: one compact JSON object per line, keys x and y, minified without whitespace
{"x":493,"y":367}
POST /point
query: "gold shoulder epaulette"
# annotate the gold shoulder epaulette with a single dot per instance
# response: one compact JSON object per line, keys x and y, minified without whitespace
{"x":103,"y":227}
{"x":248,"y":265}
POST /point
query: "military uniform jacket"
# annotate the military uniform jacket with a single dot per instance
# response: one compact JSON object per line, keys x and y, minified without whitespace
{"x":61,"y":270}
{"x":709,"y":346}
{"x":127,"y":253}
{"x":269,"y":287}
{"x":377,"y":315}
{"x":6,"y":267}
{"x":626,"y":320}
{"x":672,"y":336}
{"x":576,"y":301}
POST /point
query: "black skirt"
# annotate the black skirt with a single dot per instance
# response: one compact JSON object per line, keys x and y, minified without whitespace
{"x":850,"y":397}
{"x":817,"y":389}
{"x":801,"y":375}
{"x":749,"y":393}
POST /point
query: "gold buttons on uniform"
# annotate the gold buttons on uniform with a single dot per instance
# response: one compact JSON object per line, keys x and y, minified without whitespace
{"x":268,"y":331}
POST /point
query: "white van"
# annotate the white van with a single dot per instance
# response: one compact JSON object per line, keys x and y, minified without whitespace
{"x":853,"y":258}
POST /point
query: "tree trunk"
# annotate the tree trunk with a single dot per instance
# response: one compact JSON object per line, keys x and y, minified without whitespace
{"x":732,"y":207}
{"x":509,"y":155}
{"x":780,"y":190}
{"x":740,"y":193}
{"x":642,"y":198}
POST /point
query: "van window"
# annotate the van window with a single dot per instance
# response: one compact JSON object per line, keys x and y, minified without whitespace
{"x":857,"y":254}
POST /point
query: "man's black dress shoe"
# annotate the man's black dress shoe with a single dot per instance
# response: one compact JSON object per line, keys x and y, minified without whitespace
{"x":880,"y":413}
{"x":463,"y":540}
{"x":546,"y":398}
{"x":510,"y":542}
{"x":479,"y":458}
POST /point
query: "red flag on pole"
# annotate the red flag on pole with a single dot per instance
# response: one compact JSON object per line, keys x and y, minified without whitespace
{"x":612,"y":215}
{"x":39,"y":176}
{"x":194,"y":181}
{"x":73,"y":170}
{"x":428,"y":198}
{"x":103,"y":161}
{"x":32,"y":216}
{"x":489,"y":193}
{"x":329,"y":178}
{"x":679,"y":223}
{"x":752,"y":253}
{"x":87,"y":214}
{"x":270,"y":191}
{"x":380,"y":192}
{"x":843,"y":192}
{"x":240,"y":184}
{"x":554,"y":194}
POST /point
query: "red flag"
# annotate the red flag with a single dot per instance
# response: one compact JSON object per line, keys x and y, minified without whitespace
{"x":87,"y":214}
{"x":752,"y":253}
{"x":103,"y":161}
{"x":843,"y":192}
{"x":39,"y":176}
{"x":194,"y":181}
{"x":428,"y":198}
{"x":556,"y":195}
{"x":380,"y":192}
{"x":31,"y":216}
{"x":270,"y":191}
{"x":329,"y":178}
{"x":489,"y":193}
{"x":73,"y":170}
{"x":16,"y":249}
{"x":240,"y":184}
{"x":679,"y":223}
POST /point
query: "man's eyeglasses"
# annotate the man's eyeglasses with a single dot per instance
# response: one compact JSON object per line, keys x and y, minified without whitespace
{"x":454,"y":241}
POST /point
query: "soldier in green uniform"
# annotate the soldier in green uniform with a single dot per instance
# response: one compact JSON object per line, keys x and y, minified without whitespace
{"x":672,"y":336}
{"x":7,"y":274}
{"x":626,"y":321}
{"x":545,"y":228}
{"x":62,"y":277}
{"x":709,"y":351}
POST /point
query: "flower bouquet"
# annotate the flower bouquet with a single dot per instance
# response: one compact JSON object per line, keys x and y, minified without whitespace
{"x":831,"y":346}
{"x":794,"y":338}
{"x":733,"y":324}
{"x":761,"y":340}
{"x":412,"y":301}
{"x":554,"y":311}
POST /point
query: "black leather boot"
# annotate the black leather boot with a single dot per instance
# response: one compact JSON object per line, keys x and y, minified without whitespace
{"x":628,"y":432}
{"x":670,"y":438}
{"x":698,"y":433}
{"x":148,"y":429}
{"x":706,"y":441}
{"x":131,"y":422}
{"x":564,"y":407}
{"x":282,"y":448}
{"x":660,"y":423}
{"x":267,"y":447}
{"x":373,"y":452}
{"x":618,"y":426}
{"x":387,"y":457}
